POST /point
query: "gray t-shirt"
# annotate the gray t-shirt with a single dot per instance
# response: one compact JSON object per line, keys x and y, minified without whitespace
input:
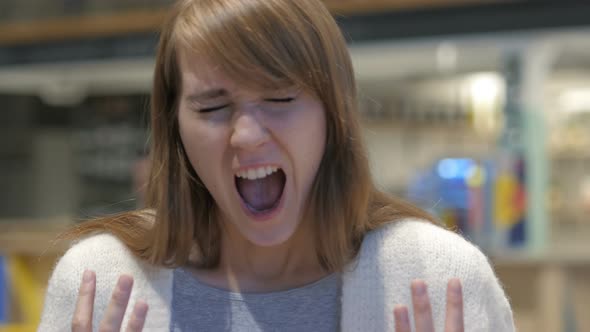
{"x":199,"y":307}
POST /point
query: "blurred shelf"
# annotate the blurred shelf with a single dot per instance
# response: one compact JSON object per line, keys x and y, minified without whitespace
{"x":367,"y":6}
{"x":548,"y":292}
{"x":81,"y":27}
{"x":570,"y":156}
{"x":567,"y":258}
{"x":568,"y":246}
{"x":133,"y":33}
{"x":33,"y":237}
{"x":150,"y":20}
{"x":146,"y":20}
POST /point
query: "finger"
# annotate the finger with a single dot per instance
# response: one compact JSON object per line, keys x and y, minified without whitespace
{"x":421,"y":305}
{"x":116,"y":310}
{"x":82,"y":319}
{"x":401,"y":318}
{"x":454,"y":316}
{"x":137,"y":317}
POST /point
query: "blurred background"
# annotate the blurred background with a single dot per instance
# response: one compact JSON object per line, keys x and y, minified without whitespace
{"x":478,"y":111}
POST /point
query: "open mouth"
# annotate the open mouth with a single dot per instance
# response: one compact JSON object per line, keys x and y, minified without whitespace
{"x":261,"y":188}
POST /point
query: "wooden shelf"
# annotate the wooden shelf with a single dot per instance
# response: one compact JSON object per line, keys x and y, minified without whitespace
{"x":150,"y":20}
{"x":33,"y":238}
{"x":541,"y":292}
{"x":564,"y":256}
{"x":367,"y":6}
{"x":81,"y":27}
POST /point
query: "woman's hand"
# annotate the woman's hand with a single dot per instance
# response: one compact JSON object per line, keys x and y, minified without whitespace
{"x":113,"y":318}
{"x":423,"y":312}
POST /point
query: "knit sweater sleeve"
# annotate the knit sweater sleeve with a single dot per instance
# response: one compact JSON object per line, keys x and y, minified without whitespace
{"x":491,"y":309}
{"x":393,"y":256}
{"x":109,"y":258}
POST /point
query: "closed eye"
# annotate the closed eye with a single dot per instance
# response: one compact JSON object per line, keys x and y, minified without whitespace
{"x":280,"y":100}
{"x":213,"y":109}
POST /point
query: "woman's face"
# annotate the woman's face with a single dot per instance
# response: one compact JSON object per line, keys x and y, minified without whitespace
{"x":257,"y":152}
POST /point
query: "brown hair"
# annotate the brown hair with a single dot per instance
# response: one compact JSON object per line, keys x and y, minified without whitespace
{"x":274,"y":41}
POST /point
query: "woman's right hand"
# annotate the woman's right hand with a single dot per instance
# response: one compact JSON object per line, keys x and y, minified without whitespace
{"x":423,"y":312}
{"x":113,"y":318}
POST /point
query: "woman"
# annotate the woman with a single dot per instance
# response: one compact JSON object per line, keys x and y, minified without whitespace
{"x":263,"y":215}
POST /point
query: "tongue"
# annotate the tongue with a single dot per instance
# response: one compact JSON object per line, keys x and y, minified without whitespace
{"x":262,"y":194}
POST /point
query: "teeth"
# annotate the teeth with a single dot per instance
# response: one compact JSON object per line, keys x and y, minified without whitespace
{"x":261,"y":172}
{"x":257,"y":173}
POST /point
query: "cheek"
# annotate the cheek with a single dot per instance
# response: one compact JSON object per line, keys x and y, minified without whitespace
{"x":314,"y":133}
{"x":306,"y":137}
{"x":320,"y":133}
{"x":203,"y":145}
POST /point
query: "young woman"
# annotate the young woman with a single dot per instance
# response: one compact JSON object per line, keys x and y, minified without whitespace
{"x":263,"y":215}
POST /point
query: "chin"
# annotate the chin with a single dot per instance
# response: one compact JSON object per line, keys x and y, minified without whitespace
{"x":269,"y":238}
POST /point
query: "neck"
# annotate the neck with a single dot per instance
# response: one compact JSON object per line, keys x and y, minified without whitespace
{"x":247,"y":267}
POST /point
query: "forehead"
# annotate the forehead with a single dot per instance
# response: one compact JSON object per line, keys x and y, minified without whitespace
{"x":197,"y":72}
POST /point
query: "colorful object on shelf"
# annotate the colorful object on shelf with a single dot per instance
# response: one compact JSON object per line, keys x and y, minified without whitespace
{"x":485,"y":201}
{"x":509,"y":203}
{"x":506,"y":212}
{"x":27,"y":294}
{"x":3,"y":292}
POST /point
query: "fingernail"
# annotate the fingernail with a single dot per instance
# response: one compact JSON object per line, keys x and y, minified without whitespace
{"x":405,"y":316}
{"x":141,"y":309}
{"x":419,"y":288}
{"x":455,"y":286}
{"x":125,"y":283}
{"x":87,"y":276}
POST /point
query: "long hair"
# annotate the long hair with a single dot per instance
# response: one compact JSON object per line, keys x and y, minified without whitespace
{"x":259,"y":43}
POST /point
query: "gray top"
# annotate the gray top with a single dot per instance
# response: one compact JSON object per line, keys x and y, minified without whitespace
{"x":199,"y":307}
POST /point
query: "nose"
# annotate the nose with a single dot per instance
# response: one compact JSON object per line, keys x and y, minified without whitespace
{"x":248,"y":132}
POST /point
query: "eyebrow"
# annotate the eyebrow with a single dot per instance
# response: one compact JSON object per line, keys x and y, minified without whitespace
{"x":207,"y":94}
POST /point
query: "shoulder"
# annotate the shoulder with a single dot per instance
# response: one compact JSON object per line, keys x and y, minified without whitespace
{"x":102,"y":253}
{"x":420,"y":239}
{"x":108,"y":257}
{"x":413,"y":248}
{"x":411,"y":232}
{"x":103,"y":243}
{"x":397,"y":253}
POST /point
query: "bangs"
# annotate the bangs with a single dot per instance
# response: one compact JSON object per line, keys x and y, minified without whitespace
{"x":258,"y":44}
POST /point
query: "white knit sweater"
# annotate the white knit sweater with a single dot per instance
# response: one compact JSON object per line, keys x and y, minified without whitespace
{"x":390,"y":258}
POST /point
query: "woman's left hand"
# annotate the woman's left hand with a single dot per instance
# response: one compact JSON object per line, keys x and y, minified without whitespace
{"x":423,"y":312}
